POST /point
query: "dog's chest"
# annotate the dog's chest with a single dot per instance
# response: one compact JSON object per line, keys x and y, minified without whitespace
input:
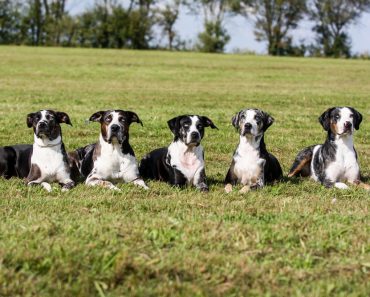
{"x":50,"y":160}
{"x":345,"y":163}
{"x":188,"y":162}
{"x":247,"y":164}
{"x":112,"y":163}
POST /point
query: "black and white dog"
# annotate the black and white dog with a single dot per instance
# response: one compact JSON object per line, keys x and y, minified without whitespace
{"x":49,"y":161}
{"x":252,"y":165}
{"x":182,"y":162}
{"x":335,"y":161}
{"x":111,"y":159}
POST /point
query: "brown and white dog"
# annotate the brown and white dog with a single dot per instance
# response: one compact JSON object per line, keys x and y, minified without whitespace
{"x":48,"y":161}
{"x":112,"y":158}
{"x":335,"y":161}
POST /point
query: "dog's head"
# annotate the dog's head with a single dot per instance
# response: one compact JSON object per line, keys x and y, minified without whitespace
{"x":115,"y":124}
{"x":252,"y":122}
{"x":190,"y":128}
{"x":341,"y":120}
{"x":46,"y":123}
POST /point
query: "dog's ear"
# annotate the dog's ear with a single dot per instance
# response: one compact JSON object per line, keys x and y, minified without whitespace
{"x":63,"y":118}
{"x":133,"y":117}
{"x":174,"y":125}
{"x":235,"y":120}
{"x":29,"y":120}
{"x":357,"y":118}
{"x":97,"y":117}
{"x":267,"y":121}
{"x":324,"y":119}
{"x":207,"y":122}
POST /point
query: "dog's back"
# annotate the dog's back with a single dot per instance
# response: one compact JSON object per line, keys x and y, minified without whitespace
{"x":152,"y":166}
{"x":15,"y":160}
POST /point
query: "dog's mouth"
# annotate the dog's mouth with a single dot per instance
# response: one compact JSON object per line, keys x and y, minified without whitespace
{"x":116,"y":138}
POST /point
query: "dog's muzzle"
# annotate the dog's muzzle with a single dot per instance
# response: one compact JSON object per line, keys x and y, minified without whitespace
{"x":116,"y":132}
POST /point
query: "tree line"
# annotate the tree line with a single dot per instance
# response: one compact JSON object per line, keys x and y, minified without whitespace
{"x":133,"y":23}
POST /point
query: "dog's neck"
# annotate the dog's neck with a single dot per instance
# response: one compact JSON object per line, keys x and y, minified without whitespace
{"x":181,"y":148}
{"x":250,"y":142}
{"x":45,"y":142}
{"x":340,"y":140}
{"x":109,"y":148}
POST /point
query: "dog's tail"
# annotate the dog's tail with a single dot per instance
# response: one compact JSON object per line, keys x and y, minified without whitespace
{"x":302,"y":163}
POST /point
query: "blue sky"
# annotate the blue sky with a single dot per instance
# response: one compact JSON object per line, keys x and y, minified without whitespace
{"x":241,"y":30}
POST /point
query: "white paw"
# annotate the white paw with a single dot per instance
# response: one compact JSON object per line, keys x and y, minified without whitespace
{"x":141,"y":183}
{"x":342,"y":186}
{"x":228,"y":188}
{"x":46,"y":186}
{"x":245,"y":189}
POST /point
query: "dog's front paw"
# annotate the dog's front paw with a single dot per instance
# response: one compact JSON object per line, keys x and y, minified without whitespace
{"x":245,"y":189}
{"x":342,"y":186}
{"x":228,"y":188}
{"x":203,"y":187}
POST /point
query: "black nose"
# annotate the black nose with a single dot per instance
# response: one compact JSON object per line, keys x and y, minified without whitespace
{"x":194,"y":135}
{"x":42,"y":125}
{"x":248,"y":126}
{"x":347,"y":125}
{"x":114,"y":128}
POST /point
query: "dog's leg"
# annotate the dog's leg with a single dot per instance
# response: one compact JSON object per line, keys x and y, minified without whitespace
{"x":199,"y":180}
{"x":230,"y":179}
{"x":360,"y":184}
{"x":95,"y":181}
{"x":35,"y":178}
{"x":140,"y":182}
{"x":301,"y":165}
{"x":245,"y":189}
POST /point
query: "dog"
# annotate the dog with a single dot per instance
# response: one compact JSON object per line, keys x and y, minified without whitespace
{"x":112,"y":158}
{"x":182,"y":162}
{"x":335,"y":161}
{"x":46,"y":160}
{"x":15,"y":160}
{"x":252,"y":165}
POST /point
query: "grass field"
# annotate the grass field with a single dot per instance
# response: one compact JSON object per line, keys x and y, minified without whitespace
{"x":290,"y":239}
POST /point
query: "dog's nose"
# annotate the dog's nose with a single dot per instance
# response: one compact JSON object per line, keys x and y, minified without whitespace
{"x":194,"y":135}
{"x":114,"y":128}
{"x":42,"y":125}
{"x":248,"y":126}
{"x":348,"y":125}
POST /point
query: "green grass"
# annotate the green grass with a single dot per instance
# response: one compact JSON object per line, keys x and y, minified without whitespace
{"x":284,"y":240}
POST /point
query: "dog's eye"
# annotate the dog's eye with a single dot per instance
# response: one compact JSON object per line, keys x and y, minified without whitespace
{"x":122,"y":120}
{"x":186,"y":125}
{"x":258,"y":119}
{"x":108,"y":119}
{"x":242,"y":117}
{"x":199,"y":126}
{"x":336,"y":117}
{"x":351,"y":116}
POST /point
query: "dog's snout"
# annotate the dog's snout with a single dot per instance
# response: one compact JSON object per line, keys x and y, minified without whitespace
{"x":194,"y":135}
{"x":42,"y":125}
{"x":348,"y":125}
{"x":248,"y":126}
{"x":114,"y":128}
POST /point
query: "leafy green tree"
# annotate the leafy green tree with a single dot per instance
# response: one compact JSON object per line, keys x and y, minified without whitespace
{"x":10,"y":22}
{"x":332,"y":18}
{"x":167,"y":18}
{"x":274,"y":19}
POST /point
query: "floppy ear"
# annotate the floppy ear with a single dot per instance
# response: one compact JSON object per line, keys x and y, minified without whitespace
{"x":174,"y":125}
{"x":208,"y":122}
{"x":133,"y":117}
{"x":29,"y":120}
{"x":63,"y":118}
{"x":267,"y":121}
{"x":357,"y":118}
{"x":324,"y":119}
{"x":235,"y":120}
{"x":97,"y":117}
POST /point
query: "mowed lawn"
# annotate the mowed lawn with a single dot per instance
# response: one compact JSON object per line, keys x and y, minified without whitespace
{"x":295,"y":238}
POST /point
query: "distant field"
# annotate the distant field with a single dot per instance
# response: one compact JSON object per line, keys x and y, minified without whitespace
{"x":284,"y":240}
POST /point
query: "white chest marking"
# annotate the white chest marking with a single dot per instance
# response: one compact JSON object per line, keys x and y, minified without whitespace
{"x":248,"y":164}
{"x":48,"y":156}
{"x":185,"y":159}
{"x":112,"y":164}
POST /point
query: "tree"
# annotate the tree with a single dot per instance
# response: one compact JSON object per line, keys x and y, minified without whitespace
{"x":332,"y":18}
{"x":167,"y":18}
{"x":214,"y":37}
{"x":274,"y":19}
{"x":10,"y":22}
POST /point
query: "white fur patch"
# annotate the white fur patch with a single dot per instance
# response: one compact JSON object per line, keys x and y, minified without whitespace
{"x":187,"y":159}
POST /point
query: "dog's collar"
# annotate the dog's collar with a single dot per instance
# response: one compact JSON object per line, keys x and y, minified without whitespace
{"x":49,"y":145}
